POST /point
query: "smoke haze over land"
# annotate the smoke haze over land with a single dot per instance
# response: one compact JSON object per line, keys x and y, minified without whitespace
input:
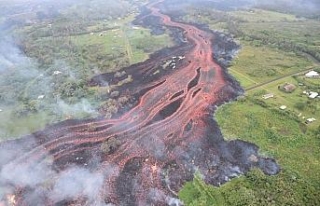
{"x":85,"y":181}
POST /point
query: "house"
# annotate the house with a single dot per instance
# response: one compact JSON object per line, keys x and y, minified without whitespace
{"x":310,"y":120}
{"x":57,"y":72}
{"x":287,"y":87}
{"x":41,"y":97}
{"x":181,"y":57}
{"x":313,"y":95}
{"x":312,"y":74}
{"x":283,"y":107}
{"x":267,"y":96}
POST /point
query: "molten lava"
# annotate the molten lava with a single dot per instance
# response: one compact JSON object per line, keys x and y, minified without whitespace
{"x":145,"y":155}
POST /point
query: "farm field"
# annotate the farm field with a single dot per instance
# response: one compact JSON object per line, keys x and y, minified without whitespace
{"x":76,"y":48}
{"x":261,"y":67}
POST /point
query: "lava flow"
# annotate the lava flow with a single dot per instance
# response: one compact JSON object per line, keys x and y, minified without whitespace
{"x":144,"y":155}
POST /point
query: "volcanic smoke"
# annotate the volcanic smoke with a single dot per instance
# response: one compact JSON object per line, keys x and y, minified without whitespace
{"x":145,"y":154}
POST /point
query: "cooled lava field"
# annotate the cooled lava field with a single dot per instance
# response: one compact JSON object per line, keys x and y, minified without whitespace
{"x":145,"y":153}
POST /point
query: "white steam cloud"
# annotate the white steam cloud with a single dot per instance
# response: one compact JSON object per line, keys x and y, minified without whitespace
{"x":77,"y":181}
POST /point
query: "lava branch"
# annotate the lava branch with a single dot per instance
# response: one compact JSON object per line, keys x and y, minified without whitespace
{"x":153,"y":148}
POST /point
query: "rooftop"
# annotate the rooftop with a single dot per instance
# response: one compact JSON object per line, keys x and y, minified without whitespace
{"x":312,"y":74}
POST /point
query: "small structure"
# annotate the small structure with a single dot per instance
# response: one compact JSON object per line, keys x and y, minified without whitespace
{"x":267,"y":96}
{"x":313,"y":95}
{"x":41,"y":97}
{"x":1,"y":110}
{"x":57,"y":72}
{"x":283,"y":107}
{"x":312,"y":74}
{"x":310,"y":120}
{"x":181,"y":57}
{"x":287,"y":87}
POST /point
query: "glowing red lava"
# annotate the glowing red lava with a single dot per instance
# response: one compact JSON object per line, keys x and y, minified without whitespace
{"x":144,"y":156}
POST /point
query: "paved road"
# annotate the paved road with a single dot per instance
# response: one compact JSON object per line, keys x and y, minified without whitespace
{"x":314,"y":60}
{"x":276,"y":79}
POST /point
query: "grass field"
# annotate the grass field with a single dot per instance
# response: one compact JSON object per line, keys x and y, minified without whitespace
{"x":12,"y":126}
{"x":258,"y":15}
{"x":281,"y":134}
{"x":256,"y":64}
{"x":305,"y":32}
{"x":104,"y":44}
{"x":311,"y":106}
{"x":80,"y":50}
{"x":134,"y":44}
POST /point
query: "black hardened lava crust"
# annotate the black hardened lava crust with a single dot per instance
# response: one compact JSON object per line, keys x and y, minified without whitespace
{"x":145,"y":153}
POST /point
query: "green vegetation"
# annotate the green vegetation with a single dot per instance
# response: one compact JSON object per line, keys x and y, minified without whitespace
{"x":197,"y":193}
{"x":110,"y":45}
{"x":252,"y":189}
{"x":291,"y":100}
{"x":13,"y":126}
{"x":276,"y":49}
{"x":262,"y":16}
{"x":263,"y":28}
{"x":256,"y":64}
{"x":304,"y":35}
{"x":279,"y":135}
{"x":66,"y":49}
{"x":275,"y":131}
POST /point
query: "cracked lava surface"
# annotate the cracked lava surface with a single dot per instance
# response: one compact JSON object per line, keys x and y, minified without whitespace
{"x":152,"y":149}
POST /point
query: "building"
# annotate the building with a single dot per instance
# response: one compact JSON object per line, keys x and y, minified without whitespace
{"x":313,"y":95}
{"x":310,"y":120}
{"x":312,"y":74}
{"x":267,"y":96}
{"x":41,"y":97}
{"x":287,"y":87}
{"x":57,"y":72}
{"x":283,"y":107}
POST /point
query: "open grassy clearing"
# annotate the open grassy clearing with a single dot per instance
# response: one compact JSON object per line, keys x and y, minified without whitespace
{"x":13,"y":126}
{"x":259,"y":15}
{"x":255,"y":64}
{"x":79,"y":50}
{"x":278,"y":135}
{"x":282,"y":31}
{"x":295,"y":147}
{"x":310,"y":107}
{"x":132,"y":44}
{"x":306,"y":32}
{"x":115,"y":44}
{"x":281,"y":134}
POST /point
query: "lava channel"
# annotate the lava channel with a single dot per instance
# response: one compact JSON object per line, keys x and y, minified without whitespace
{"x":146,"y":154}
